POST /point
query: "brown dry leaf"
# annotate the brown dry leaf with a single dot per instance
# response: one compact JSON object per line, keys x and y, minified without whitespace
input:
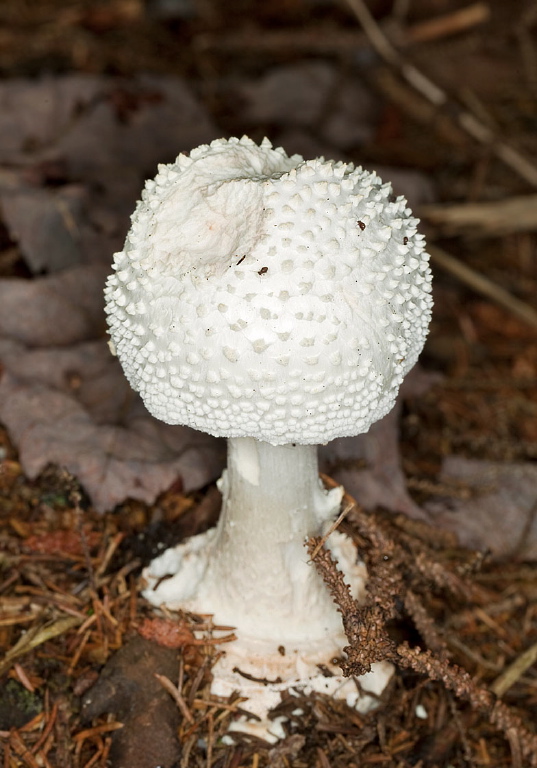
{"x":128,"y":687}
{"x":369,"y":466}
{"x":63,"y":397}
{"x":74,"y":408}
{"x":170,"y":634}
{"x":288,"y":95}
{"x":45,"y":223}
{"x":59,"y":309}
{"x":500,"y":516}
{"x":313,"y":95}
{"x":133,"y":125}
{"x":34,"y":113}
{"x":94,"y":121}
{"x":103,"y":136}
{"x":67,"y":542}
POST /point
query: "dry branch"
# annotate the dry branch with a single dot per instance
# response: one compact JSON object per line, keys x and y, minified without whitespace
{"x":514,"y":671}
{"x":448,"y":24}
{"x":322,"y":42}
{"x":393,"y":570}
{"x":483,"y":285}
{"x":492,"y":219}
{"x":176,"y":695}
{"x":37,"y":636}
{"x":430,"y":91}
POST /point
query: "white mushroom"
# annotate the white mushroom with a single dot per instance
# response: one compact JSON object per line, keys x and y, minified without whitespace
{"x":278,"y":303}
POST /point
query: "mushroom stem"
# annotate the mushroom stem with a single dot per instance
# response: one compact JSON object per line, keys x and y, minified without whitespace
{"x":252,"y":572}
{"x":273,"y":500}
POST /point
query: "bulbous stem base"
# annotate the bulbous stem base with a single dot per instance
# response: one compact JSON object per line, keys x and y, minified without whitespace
{"x":253,"y":573}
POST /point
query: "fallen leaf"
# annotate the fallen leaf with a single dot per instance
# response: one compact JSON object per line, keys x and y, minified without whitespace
{"x":34,"y":113}
{"x":35,"y":636}
{"x":45,"y":223}
{"x":138,"y":459}
{"x":288,"y":95}
{"x":77,"y":117}
{"x":107,"y":135}
{"x":67,"y":542}
{"x":63,"y":397}
{"x":501,"y":513}
{"x":369,"y":466}
{"x":128,"y":688}
{"x":165,"y":632}
{"x":105,"y":141}
{"x":59,"y":309}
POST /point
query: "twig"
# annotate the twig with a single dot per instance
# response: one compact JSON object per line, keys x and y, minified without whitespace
{"x":436,"y":96}
{"x":78,"y":653}
{"x":99,"y":755}
{"x":454,"y":641}
{"x":425,"y":624}
{"x":483,"y":285}
{"x":456,"y":715}
{"x":210,"y":739}
{"x":47,"y":729}
{"x":366,"y":627}
{"x":516,"y":751}
{"x":176,"y":695}
{"x":37,"y":636}
{"x":328,"y":42}
{"x":196,"y":682}
{"x":110,"y":551}
{"x":188,"y":743}
{"x":465,"y":687}
{"x":20,"y":748}
{"x":90,"y":733}
{"x":502,"y":217}
{"x":322,"y":541}
{"x":523,"y":30}
{"x":23,"y":677}
{"x":514,"y":671}
{"x":447,"y":24}
{"x":203,"y":703}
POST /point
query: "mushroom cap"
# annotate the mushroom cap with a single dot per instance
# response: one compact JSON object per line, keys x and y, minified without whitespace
{"x":261,"y":295}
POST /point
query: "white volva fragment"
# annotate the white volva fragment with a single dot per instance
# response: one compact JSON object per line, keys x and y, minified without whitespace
{"x":421,"y":712}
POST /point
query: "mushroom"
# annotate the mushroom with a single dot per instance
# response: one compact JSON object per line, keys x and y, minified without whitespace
{"x":278,"y":303}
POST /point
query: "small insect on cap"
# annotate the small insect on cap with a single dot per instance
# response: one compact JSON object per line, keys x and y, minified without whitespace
{"x":261,"y":295}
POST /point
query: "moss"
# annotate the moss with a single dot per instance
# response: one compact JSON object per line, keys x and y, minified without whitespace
{"x":17,"y":705}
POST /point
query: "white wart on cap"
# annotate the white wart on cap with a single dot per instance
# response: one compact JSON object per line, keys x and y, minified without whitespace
{"x":261,"y":295}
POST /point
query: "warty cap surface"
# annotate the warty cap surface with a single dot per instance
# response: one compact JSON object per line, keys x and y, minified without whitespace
{"x":261,"y":295}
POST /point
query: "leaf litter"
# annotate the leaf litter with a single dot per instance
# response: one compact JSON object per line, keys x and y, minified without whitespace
{"x":90,"y":669}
